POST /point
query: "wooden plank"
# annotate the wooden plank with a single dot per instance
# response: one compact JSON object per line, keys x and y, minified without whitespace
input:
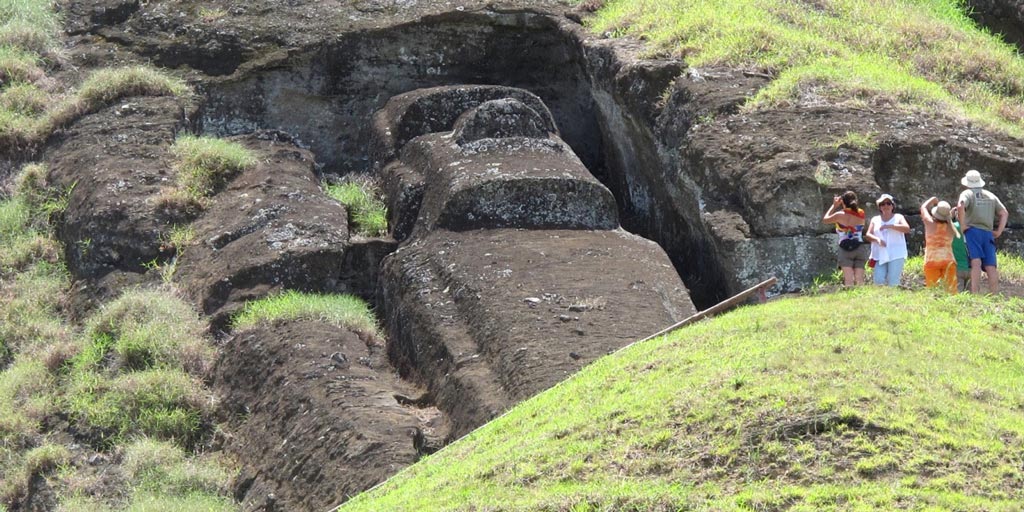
{"x":717,"y":308}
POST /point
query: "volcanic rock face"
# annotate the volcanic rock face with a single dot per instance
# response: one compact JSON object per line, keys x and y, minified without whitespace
{"x":315,"y":415}
{"x":516,"y":272}
{"x":272,"y":228}
{"x":664,"y":138}
{"x":119,"y":156}
{"x":1002,"y":17}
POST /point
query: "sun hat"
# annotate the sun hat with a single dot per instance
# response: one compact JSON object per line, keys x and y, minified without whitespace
{"x":884,"y":197}
{"x":940,"y":211}
{"x":972,"y":179}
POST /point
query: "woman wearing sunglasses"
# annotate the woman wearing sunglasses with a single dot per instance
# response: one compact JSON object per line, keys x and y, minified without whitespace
{"x":887,"y":234}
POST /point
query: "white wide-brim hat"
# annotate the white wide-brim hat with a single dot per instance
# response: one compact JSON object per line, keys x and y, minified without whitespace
{"x":972,"y":179}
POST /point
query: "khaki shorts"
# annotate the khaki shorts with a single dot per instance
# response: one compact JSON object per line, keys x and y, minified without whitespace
{"x":856,"y":258}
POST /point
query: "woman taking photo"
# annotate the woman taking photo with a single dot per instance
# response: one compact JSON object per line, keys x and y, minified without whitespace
{"x":886,"y":232}
{"x":849,"y":221}
{"x":939,"y":263}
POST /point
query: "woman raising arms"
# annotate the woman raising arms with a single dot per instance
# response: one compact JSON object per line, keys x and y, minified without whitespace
{"x":849,"y":221}
{"x":939,"y":263}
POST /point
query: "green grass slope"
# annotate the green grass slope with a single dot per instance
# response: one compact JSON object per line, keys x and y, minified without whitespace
{"x":866,"y":399}
{"x":916,"y":54}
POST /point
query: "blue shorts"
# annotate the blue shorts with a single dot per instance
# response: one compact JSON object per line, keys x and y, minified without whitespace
{"x":981,"y":245}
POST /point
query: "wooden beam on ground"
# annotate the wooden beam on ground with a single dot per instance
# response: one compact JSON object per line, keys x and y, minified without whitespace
{"x":718,"y":308}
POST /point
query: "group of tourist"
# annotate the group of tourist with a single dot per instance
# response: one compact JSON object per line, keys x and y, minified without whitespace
{"x":959,"y":241}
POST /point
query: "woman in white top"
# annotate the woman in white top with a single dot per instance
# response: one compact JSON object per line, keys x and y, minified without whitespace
{"x":886,"y":232}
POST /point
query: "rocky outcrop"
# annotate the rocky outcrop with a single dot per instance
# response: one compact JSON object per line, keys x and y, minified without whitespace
{"x":651,"y":130}
{"x":516,"y":273}
{"x":319,"y":417}
{"x":1002,"y":17}
{"x":737,"y":196}
{"x":112,"y":165}
{"x":487,"y":318}
{"x":271,"y":229}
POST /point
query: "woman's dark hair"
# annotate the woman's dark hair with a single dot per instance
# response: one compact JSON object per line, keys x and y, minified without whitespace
{"x":850,"y":200}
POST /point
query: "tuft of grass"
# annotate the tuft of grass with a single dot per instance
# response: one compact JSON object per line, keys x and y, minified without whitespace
{"x":37,"y":461}
{"x":826,"y":282}
{"x":1011,"y":266}
{"x":24,"y":99}
{"x":857,"y":140}
{"x":15,"y":217}
{"x":146,"y":329}
{"x":109,"y":84}
{"x":824,"y":175}
{"x":179,"y":237}
{"x":211,"y":14}
{"x":143,"y":502}
{"x":160,"y":403}
{"x":102,"y":87}
{"x":45,"y":458}
{"x":149,"y":502}
{"x":205,"y":164}
{"x":345,"y":311}
{"x":25,"y":235}
{"x":912,"y":54}
{"x":18,"y":65}
{"x":105,"y":86}
{"x":46,"y":203}
{"x":913,"y":270}
{"x":27,"y":399}
{"x":33,"y":13}
{"x":786,"y":405}
{"x":32,"y":37}
{"x":30,"y":305}
{"x":366,"y":212}
{"x":159,"y":467}
{"x":130,"y":377}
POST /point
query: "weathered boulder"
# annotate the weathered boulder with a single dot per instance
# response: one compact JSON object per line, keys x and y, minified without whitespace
{"x":508,"y":182}
{"x":273,"y":229}
{"x":115,"y":163}
{"x":436,"y":109}
{"x":421,"y":112}
{"x":487,"y":318}
{"x":317,"y":418}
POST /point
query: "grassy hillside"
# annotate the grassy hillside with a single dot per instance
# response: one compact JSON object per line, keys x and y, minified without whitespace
{"x":865,"y":399}
{"x":918,"y":54}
